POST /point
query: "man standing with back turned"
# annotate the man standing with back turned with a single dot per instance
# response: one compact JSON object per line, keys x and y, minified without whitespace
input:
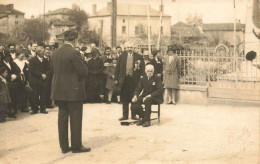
{"x":68,"y":91}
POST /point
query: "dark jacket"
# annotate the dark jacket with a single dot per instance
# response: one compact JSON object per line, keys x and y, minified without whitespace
{"x":154,"y":87}
{"x":120,"y":71}
{"x":13,"y":70}
{"x":69,"y":71}
{"x":158,"y":66}
{"x":4,"y":93}
{"x":25,"y":75}
{"x":36,"y":69}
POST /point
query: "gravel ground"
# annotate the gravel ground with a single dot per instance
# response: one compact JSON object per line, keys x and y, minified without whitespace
{"x":188,"y":134}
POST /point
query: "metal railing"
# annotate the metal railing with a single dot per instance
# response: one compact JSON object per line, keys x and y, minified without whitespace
{"x":208,"y":67}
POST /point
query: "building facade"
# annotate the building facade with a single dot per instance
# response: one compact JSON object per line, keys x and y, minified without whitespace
{"x":10,"y":18}
{"x":131,"y":22}
{"x":59,"y":23}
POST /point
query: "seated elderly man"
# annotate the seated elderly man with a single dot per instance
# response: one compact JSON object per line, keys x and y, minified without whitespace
{"x":149,"y":91}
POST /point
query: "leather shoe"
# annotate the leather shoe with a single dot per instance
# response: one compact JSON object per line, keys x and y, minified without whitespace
{"x":11,"y":116}
{"x":134,"y":118}
{"x":64,"y":151}
{"x":34,"y":112}
{"x":82,"y":150}
{"x":44,"y":112}
{"x":146,"y":124}
{"x":141,"y":122}
{"x":123,"y":118}
{"x":24,"y":110}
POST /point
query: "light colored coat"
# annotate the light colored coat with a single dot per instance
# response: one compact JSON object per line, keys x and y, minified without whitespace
{"x":171,"y":75}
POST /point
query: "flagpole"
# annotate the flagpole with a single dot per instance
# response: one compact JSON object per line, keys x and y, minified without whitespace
{"x":44,"y":21}
{"x":149,"y":28}
{"x":235,"y":63}
{"x":160,"y":28}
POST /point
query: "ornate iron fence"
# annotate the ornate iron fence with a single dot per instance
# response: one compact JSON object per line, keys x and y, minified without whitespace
{"x":218,"y":67}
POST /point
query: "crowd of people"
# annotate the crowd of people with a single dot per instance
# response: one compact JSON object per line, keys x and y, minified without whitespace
{"x":112,"y":76}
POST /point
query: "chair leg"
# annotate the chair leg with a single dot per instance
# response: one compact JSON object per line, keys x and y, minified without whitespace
{"x":158,"y":114}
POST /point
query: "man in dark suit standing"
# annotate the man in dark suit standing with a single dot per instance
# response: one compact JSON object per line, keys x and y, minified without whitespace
{"x":38,"y":70}
{"x":148,"y":92}
{"x":129,"y":69}
{"x":68,"y":91}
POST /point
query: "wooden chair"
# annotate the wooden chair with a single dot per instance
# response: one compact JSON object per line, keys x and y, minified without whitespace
{"x":158,"y":112}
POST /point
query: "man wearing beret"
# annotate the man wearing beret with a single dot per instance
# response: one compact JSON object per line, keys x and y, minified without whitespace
{"x":68,"y":91}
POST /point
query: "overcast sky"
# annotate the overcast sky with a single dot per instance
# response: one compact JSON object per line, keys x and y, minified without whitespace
{"x":212,"y":11}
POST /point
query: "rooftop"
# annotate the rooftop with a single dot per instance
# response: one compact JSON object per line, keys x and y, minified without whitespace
{"x":62,"y":23}
{"x":223,"y":27}
{"x":128,"y":9}
{"x":63,"y":11}
{"x":180,"y":26}
{"x":9,"y":9}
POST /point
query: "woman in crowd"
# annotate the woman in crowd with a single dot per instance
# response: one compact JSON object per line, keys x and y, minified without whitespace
{"x":95,"y":69}
{"x":157,"y":63}
{"x":110,"y":66}
{"x":22,"y":79}
{"x":11,"y":83}
{"x":171,"y":77}
{"x":4,"y":94}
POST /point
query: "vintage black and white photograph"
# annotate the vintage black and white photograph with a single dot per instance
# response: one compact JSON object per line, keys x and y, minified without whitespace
{"x":130,"y":81}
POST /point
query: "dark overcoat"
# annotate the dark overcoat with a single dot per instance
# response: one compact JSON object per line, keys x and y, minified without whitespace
{"x":158,"y":67}
{"x":36,"y":69}
{"x":69,"y":71}
{"x":13,"y":70}
{"x":4,"y":92}
{"x":120,"y":72}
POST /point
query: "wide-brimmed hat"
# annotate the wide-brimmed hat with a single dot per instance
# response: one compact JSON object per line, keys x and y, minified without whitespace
{"x":154,"y":52}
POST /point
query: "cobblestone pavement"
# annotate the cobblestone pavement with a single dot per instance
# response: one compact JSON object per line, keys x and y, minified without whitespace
{"x":188,"y":134}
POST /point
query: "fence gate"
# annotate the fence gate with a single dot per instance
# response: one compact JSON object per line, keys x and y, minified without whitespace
{"x":225,"y":75}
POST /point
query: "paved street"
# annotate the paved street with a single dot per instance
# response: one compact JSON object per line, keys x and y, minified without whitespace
{"x":188,"y":134}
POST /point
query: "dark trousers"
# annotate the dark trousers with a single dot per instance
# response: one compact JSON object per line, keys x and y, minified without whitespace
{"x":48,"y":93}
{"x":72,"y":110}
{"x":138,"y":109}
{"x":3,"y":111}
{"x":127,"y":92}
{"x":38,"y":97}
{"x":21,"y":97}
{"x":12,"y":107}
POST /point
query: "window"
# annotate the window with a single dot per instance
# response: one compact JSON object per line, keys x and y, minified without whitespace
{"x":123,"y":29}
{"x":137,"y":30}
{"x":123,"y":20}
{"x":16,"y":22}
{"x":161,"y":29}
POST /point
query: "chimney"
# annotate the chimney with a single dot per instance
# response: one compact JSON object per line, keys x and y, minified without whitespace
{"x":10,"y":7}
{"x":94,"y":9}
{"x":109,"y":7}
{"x":161,"y":8}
